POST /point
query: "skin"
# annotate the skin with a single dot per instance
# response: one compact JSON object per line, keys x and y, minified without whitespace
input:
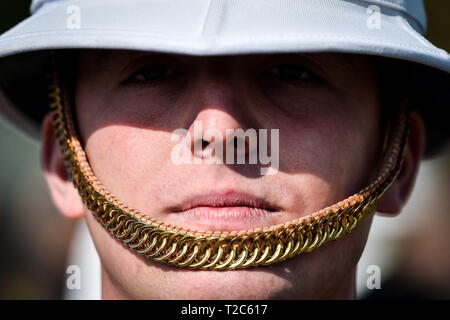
{"x":330,"y":135}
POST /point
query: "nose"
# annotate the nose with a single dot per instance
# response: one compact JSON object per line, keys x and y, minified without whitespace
{"x":221,"y":127}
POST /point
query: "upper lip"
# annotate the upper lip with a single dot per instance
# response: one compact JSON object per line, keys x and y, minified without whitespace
{"x":229,"y":199}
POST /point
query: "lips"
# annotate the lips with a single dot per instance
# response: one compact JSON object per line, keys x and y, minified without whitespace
{"x":225,"y":212}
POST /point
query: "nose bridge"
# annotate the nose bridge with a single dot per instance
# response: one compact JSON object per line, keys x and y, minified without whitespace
{"x":215,"y":86}
{"x":219,"y":99}
{"x":219,"y":111}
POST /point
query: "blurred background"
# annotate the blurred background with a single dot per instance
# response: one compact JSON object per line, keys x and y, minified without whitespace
{"x":412,"y":250}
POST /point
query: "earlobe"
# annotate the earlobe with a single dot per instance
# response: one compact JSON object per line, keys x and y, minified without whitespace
{"x":64,"y":195}
{"x":398,"y":194}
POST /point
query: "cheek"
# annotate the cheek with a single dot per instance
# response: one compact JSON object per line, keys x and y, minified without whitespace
{"x":329,"y":149}
{"x":127,"y":143}
{"x":126,"y":159}
{"x":322,"y":145}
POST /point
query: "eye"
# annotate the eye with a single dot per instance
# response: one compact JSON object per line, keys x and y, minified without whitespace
{"x":151,"y":74}
{"x":290,"y":72}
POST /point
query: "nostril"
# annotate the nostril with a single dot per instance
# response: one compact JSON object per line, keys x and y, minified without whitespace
{"x":204,"y":143}
{"x":241,"y":144}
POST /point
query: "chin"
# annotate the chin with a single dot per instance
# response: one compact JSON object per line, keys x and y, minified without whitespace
{"x":251,"y":284}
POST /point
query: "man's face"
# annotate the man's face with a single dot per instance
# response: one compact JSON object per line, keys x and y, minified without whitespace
{"x":326,"y":107}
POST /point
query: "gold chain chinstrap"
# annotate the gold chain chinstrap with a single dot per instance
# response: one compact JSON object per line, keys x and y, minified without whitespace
{"x":208,"y":250}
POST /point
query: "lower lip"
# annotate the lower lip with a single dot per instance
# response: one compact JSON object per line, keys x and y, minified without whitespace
{"x":225,"y":218}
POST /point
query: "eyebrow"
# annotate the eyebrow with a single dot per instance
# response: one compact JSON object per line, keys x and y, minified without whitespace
{"x":104,"y":56}
{"x":102,"y":59}
{"x":343,"y":61}
{"x":325,"y":59}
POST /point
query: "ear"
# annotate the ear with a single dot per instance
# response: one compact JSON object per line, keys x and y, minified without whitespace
{"x":398,"y":194}
{"x":64,"y":195}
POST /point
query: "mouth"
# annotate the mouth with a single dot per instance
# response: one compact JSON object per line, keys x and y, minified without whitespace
{"x":226,"y":212}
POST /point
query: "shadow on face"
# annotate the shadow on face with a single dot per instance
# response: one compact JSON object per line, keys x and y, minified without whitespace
{"x":319,"y":112}
{"x":324,"y":106}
